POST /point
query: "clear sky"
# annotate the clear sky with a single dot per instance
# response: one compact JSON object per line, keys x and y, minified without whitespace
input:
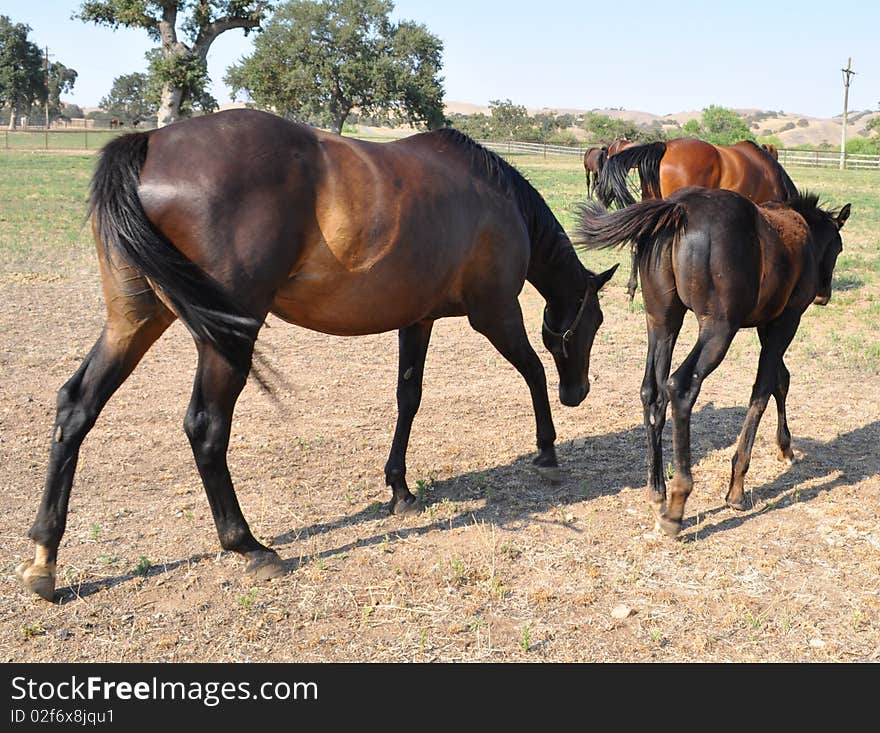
{"x":659,"y":57}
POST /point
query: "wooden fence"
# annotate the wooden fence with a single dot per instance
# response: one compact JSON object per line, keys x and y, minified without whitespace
{"x":789,"y":157}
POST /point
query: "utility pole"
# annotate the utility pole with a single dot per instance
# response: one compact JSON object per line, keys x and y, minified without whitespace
{"x":847,"y":74}
{"x":46,"y":67}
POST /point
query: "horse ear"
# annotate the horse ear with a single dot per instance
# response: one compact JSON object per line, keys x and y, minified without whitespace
{"x":604,"y":277}
{"x":843,"y":216}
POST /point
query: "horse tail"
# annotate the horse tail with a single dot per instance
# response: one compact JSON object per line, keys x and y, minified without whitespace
{"x":613,"y":179}
{"x":122,"y":226}
{"x":646,"y":224}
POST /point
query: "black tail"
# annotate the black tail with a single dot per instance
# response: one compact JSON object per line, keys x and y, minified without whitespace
{"x":206,"y":309}
{"x":645,"y":223}
{"x":613,"y":179}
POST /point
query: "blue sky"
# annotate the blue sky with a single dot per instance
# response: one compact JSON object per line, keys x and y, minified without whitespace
{"x":659,"y":57}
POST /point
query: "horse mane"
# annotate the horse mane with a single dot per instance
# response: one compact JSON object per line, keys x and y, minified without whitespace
{"x":806,"y":203}
{"x":791,"y":191}
{"x":492,"y":168}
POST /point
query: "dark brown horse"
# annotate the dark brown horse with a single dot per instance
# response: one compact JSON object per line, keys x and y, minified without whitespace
{"x":665,"y":167}
{"x":594,"y":159}
{"x":222,"y":219}
{"x":735,"y":265}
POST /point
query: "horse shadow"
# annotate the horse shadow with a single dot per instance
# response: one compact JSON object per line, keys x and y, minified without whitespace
{"x":513,"y":493}
{"x":594,"y":466}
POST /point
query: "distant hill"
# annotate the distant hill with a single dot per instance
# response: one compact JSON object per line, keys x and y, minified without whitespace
{"x":793,"y":129}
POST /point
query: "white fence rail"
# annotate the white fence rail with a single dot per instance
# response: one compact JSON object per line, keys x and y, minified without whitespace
{"x":789,"y":157}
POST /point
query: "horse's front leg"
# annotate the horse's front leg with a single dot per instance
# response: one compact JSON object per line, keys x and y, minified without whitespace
{"x":775,"y":339}
{"x":208,"y":422}
{"x":633,"y":283}
{"x":413,"y":348}
{"x":508,"y":335}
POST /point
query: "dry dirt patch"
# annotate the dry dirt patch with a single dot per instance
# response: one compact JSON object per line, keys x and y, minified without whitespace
{"x":499,"y":567}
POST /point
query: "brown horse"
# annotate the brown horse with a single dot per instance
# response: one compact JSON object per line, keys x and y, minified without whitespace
{"x":665,"y":167}
{"x":594,"y":159}
{"x":735,"y":265}
{"x":222,"y":219}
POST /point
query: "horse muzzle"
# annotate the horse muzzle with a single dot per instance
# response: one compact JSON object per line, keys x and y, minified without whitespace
{"x":573,"y":395}
{"x":822,"y":299}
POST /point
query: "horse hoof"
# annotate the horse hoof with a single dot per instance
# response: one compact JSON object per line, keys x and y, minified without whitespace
{"x":552,"y":474}
{"x":669,"y":527}
{"x":739,"y":505}
{"x":405,"y":508}
{"x":264,"y":565}
{"x":39,"y":579}
{"x":786,"y":458}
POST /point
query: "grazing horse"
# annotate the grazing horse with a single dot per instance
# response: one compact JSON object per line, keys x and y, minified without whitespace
{"x":594,"y":159}
{"x":735,"y":265}
{"x":665,"y":167}
{"x":222,"y":219}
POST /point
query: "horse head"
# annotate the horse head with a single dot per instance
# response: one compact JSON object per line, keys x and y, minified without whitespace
{"x":826,"y":237}
{"x":569,"y":328}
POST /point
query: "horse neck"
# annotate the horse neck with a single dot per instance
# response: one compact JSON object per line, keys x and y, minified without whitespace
{"x":555,"y":269}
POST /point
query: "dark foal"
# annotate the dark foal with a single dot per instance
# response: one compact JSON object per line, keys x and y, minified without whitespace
{"x":735,"y":265}
{"x":222,"y":219}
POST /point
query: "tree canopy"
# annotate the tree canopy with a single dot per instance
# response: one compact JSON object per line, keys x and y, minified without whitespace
{"x":718,"y":125}
{"x":22,"y":79}
{"x":179,"y":69}
{"x":130,"y":99}
{"x":319,"y":60}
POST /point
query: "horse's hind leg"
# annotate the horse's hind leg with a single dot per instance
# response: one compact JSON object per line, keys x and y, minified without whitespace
{"x":413,"y":347}
{"x":775,"y":339}
{"x":662,"y":334}
{"x":208,"y":423}
{"x":683,"y":388}
{"x":508,"y":335}
{"x":115,"y":354}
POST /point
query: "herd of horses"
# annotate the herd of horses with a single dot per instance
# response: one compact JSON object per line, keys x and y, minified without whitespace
{"x":222,"y":219}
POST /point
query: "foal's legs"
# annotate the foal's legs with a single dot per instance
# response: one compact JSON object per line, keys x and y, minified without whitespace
{"x":413,"y":347}
{"x":662,"y":334}
{"x":683,"y":388}
{"x":208,"y":421}
{"x":113,"y":357}
{"x":783,"y":435}
{"x":507,"y":334}
{"x":772,"y":378}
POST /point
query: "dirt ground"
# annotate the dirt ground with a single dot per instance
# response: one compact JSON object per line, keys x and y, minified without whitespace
{"x":499,"y":567}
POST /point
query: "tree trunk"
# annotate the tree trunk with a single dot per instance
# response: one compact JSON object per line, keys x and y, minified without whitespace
{"x":169,"y":105}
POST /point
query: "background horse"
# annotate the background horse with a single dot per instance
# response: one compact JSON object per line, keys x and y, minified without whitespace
{"x":735,"y":265}
{"x":222,"y":219}
{"x":665,"y":167}
{"x":594,"y":159}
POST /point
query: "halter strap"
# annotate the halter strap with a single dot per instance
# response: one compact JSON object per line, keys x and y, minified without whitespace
{"x":569,"y":332}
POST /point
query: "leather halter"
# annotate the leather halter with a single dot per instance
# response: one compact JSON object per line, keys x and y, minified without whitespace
{"x":569,"y":332}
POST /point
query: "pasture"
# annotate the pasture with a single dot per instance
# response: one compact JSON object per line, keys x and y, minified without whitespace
{"x":499,"y":566}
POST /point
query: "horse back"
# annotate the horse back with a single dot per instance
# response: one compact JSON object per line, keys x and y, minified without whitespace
{"x":734,"y":261}
{"x":689,"y":162}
